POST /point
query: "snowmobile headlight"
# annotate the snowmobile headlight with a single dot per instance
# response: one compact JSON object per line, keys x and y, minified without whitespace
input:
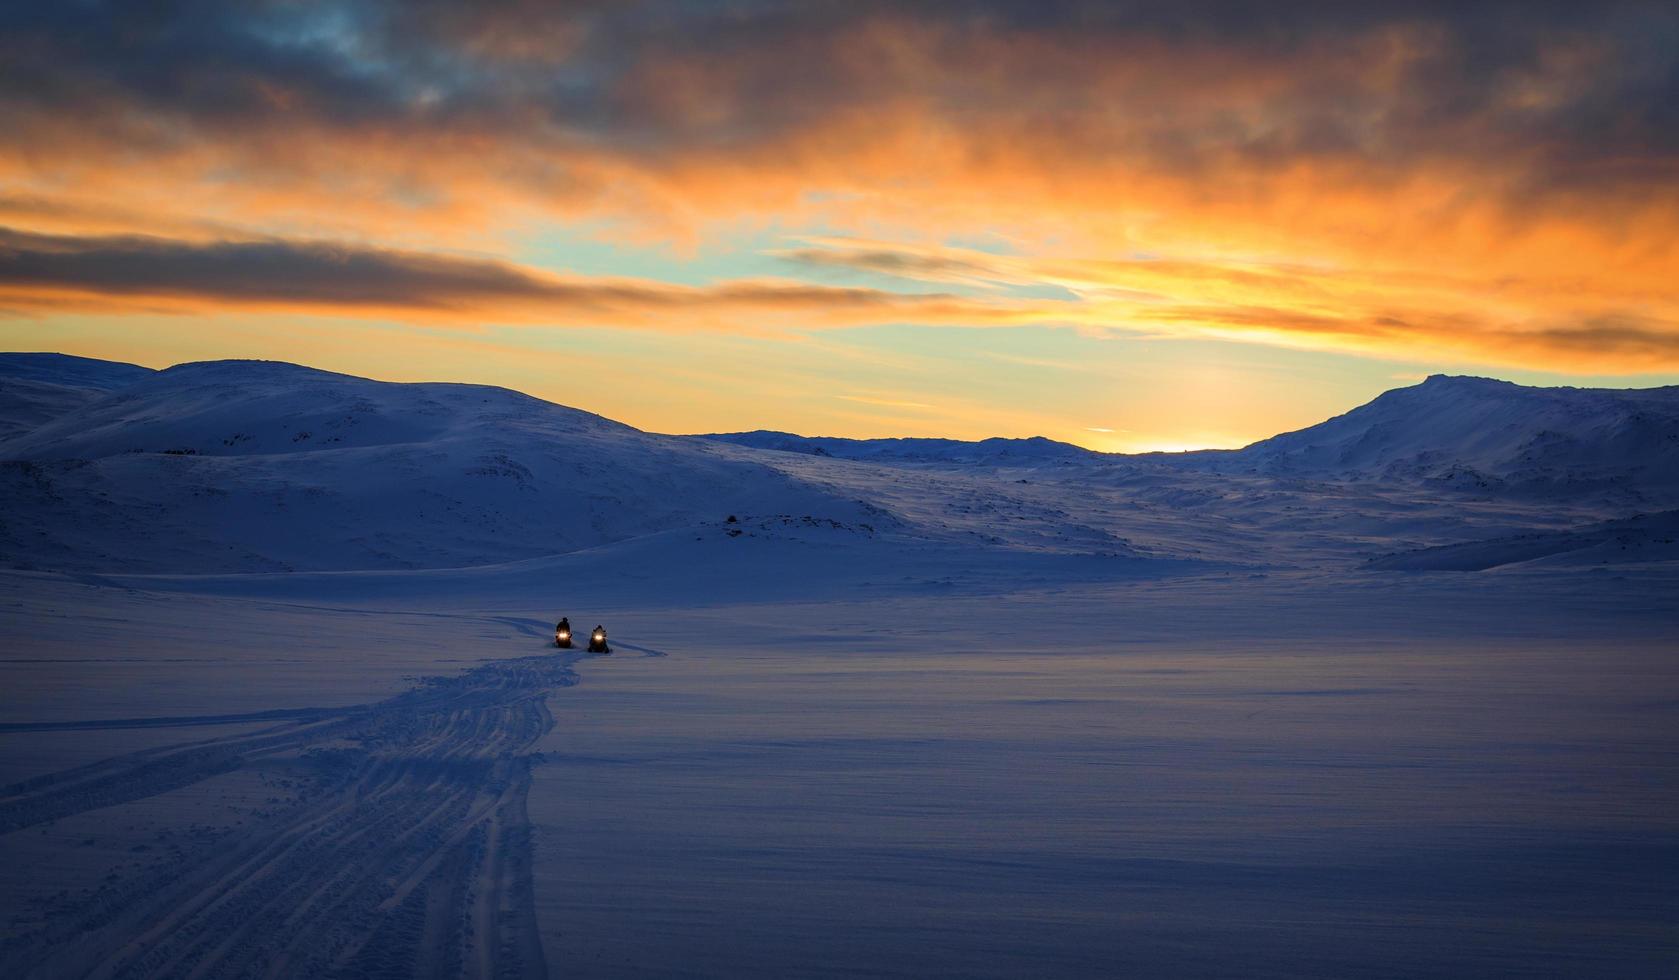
{"x":564,"y":634}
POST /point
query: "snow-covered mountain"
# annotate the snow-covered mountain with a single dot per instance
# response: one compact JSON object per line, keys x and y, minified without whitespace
{"x":1485,"y":436}
{"x":1447,"y":433}
{"x":244,"y":466}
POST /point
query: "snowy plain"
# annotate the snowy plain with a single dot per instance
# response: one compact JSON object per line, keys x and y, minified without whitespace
{"x":1394,"y":696}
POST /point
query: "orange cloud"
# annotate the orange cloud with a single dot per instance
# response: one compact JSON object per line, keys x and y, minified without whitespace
{"x":1291,"y":306}
{"x":1522,"y":322}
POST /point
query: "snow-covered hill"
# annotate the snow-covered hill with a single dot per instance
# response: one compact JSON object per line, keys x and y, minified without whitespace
{"x":247,"y":466}
{"x":1488,"y":437}
{"x":70,"y":371}
{"x":37,"y":388}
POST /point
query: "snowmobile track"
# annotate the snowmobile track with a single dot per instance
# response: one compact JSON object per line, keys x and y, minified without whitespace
{"x":405,"y":851}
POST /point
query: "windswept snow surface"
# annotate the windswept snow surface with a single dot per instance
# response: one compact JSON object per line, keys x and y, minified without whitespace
{"x":1641,"y":540}
{"x":277,"y":694}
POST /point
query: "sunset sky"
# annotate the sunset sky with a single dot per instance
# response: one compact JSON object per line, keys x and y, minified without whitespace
{"x":1130,"y":226}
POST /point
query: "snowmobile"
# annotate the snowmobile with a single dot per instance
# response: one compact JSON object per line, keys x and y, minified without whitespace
{"x":597,"y":641}
{"x":562,"y":636}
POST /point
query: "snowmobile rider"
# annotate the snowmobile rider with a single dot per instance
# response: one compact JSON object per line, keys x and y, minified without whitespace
{"x":562,"y":632}
{"x":597,"y":641}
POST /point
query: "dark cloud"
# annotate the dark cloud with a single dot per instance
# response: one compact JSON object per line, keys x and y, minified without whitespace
{"x":1568,"y":92}
{"x":133,"y":272}
{"x":294,"y":272}
{"x":1654,"y":340}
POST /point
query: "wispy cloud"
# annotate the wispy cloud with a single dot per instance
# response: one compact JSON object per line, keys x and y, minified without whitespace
{"x":1519,"y":321}
{"x":885,"y":402}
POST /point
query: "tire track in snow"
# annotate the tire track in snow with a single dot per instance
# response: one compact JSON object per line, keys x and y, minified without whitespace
{"x":406,"y":851}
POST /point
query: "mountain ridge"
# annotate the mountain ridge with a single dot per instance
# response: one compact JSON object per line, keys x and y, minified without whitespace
{"x":260,"y":466}
{"x":40,"y":367}
{"x":998,"y":450}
